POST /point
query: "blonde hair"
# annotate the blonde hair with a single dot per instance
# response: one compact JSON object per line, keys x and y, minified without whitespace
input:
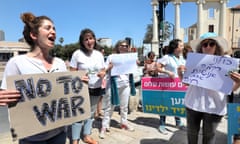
{"x":116,"y":48}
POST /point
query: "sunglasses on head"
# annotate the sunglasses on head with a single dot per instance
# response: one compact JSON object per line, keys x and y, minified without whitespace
{"x":209,"y":43}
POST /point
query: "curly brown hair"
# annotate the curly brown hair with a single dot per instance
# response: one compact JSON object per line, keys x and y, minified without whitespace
{"x":32,"y":24}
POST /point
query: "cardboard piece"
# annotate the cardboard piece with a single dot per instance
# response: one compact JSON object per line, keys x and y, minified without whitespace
{"x":48,"y":101}
{"x":5,"y":134}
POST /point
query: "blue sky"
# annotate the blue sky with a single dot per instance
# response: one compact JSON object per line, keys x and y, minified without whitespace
{"x":115,"y":19}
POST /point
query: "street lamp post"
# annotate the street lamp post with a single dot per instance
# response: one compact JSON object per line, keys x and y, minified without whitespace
{"x":161,"y":16}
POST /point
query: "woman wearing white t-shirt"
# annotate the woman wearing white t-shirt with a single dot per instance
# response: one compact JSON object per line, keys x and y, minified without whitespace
{"x":167,"y":67}
{"x":39,"y":32}
{"x":92,"y":61}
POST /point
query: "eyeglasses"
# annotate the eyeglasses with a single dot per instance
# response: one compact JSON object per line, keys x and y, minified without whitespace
{"x":211,"y":44}
{"x":125,"y":46}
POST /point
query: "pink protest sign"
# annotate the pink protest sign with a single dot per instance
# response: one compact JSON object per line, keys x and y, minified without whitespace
{"x":163,"y":84}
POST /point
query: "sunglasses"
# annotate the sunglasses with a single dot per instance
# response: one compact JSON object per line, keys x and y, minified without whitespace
{"x":211,"y":44}
{"x":125,"y":46}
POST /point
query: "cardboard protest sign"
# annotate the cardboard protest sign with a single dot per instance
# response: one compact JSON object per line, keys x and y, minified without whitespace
{"x":210,"y":71}
{"x":163,"y":96}
{"x":48,"y":101}
{"x":5,"y":134}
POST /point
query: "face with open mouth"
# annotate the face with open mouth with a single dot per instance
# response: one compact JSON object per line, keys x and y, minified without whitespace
{"x":89,"y":41}
{"x":46,"y":35}
{"x":52,"y":38}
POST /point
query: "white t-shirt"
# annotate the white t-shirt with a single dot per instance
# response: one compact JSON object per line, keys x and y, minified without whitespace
{"x":171,"y":63}
{"x":206,"y":100}
{"x":91,"y":64}
{"x":22,"y":64}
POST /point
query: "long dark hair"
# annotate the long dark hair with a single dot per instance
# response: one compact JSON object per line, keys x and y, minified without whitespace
{"x":173,"y":44}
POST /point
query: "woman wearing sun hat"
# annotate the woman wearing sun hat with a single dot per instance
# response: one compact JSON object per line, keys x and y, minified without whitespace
{"x":203,"y":104}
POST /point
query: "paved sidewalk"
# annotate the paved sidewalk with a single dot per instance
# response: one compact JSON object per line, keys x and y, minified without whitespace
{"x":146,"y":131}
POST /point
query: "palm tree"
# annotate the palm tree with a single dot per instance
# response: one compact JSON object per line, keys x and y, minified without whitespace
{"x":61,"y":40}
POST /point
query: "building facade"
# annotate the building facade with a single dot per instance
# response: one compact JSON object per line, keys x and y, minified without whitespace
{"x":212,"y":20}
{"x":234,"y":29}
{"x":10,"y":49}
{"x":212,"y":16}
{"x":105,"y":42}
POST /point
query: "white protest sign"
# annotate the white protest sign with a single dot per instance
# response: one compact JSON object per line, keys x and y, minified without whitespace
{"x":48,"y":101}
{"x":124,"y":63}
{"x":210,"y":71}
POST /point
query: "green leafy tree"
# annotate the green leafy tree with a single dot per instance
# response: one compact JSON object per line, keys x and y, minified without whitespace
{"x":64,"y":52}
{"x":108,"y":50}
{"x":56,"y":50}
{"x":68,"y":50}
{"x":168,"y":30}
{"x":148,"y":35}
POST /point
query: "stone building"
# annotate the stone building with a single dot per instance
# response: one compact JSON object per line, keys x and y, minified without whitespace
{"x":10,"y":49}
{"x":211,"y":22}
{"x":212,"y":16}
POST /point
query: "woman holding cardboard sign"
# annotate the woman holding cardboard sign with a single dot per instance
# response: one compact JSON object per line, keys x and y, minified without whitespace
{"x":39,"y":32}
